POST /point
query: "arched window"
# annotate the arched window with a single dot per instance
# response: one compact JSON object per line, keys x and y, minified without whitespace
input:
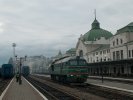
{"x":113,"y":43}
{"x":81,"y":53}
{"x":117,"y":41}
{"x":101,"y":59}
{"x":121,"y":41}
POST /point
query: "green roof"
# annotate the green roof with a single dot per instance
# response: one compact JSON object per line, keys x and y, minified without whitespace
{"x":128,"y":28}
{"x":96,"y":32}
{"x":72,"y":50}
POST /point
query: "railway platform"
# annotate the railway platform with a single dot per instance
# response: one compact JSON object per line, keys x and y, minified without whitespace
{"x":25,"y":91}
{"x":112,"y":84}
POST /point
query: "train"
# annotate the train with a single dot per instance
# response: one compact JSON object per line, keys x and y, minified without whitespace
{"x":6,"y":71}
{"x":25,"y":71}
{"x":69,"y":69}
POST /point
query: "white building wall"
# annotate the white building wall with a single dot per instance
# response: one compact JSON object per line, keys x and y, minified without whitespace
{"x":89,"y":46}
{"x":98,"y":56}
{"x":122,"y":36}
{"x":129,"y":36}
{"x":130,"y":48}
{"x":117,"y":43}
{"x":81,"y":47}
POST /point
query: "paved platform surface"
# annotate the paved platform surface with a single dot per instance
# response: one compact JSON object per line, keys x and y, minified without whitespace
{"x":21,"y":92}
{"x":115,"y":85}
{"x":114,"y":78}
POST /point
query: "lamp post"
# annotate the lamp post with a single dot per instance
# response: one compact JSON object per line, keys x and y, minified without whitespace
{"x":14,"y":45}
{"x":20,"y":67}
{"x":14,"y":60}
{"x":20,"y":81}
{"x":16,"y":64}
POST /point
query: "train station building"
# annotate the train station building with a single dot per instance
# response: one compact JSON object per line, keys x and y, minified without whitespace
{"x":98,"y":46}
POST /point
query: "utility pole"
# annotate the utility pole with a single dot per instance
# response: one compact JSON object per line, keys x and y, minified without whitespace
{"x":13,"y":45}
{"x":20,"y":81}
{"x":14,"y":60}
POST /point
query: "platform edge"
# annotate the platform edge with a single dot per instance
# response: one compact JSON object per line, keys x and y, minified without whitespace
{"x":4,"y":92}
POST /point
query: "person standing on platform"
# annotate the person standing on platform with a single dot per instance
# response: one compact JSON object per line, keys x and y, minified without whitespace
{"x":17,"y":77}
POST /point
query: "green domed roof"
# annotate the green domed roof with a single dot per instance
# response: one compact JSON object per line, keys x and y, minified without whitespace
{"x":128,"y":28}
{"x":96,"y":32}
{"x":72,"y":50}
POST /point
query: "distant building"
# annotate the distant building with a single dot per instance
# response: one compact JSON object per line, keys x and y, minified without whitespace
{"x":38,"y":64}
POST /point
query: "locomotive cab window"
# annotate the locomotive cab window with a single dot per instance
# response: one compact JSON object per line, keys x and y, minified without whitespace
{"x":73,"y":62}
{"x":82,"y":62}
{"x":78,"y":62}
{"x":52,"y":67}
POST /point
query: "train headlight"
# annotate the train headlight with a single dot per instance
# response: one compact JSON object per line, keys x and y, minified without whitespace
{"x":71,"y":75}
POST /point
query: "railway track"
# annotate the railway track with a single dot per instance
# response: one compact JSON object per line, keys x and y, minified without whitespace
{"x":105,"y":92}
{"x":51,"y":92}
{"x":78,"y":95}
{"x":3,"y":84}
{"x":108,"y":93}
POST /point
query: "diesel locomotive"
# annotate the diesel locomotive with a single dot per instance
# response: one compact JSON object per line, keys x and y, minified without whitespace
{"x":69,"y":69}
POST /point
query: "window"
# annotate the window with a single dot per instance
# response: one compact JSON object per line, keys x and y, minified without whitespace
{"x":132,"y":69}
{"x":129,"y":53}
{"x":117,"y":41}
{"x":132,"y":53}
{"x":108,"y":51}
{"x":113,"y":43}
{"x":66,"y":64}
{"x":73,"y":62}
{"x":104,"y":52}
{"x":105,"y":59}
{"x":101,"y":59}
{"x":121,"y":54}
{"x":121,"y":41}
{"x":81,"y":53}
{"x":96,"y":53}
{"x":97,"y":59}
{"x":114,"y":69}
{"x":52,"y":67}
{"x":101,"y":52}
{"x":122,"y":70}
{"x":82,"y":62}
{"x":114,"y":55}
{"x":117,"y":55}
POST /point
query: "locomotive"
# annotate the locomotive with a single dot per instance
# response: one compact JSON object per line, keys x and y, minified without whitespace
{"x":7,"y":71}
{"x":69,"y":69}
{"x":25,"y":71}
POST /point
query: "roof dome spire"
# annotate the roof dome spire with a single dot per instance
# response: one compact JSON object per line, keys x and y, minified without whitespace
{"x":95,"y":14}
{"x":95,"y":24}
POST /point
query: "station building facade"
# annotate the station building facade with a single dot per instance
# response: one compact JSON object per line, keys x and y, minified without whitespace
{"x":99,"y":45}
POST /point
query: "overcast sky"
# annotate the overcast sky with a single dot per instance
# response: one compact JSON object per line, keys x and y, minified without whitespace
{"x":47,"y":26}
